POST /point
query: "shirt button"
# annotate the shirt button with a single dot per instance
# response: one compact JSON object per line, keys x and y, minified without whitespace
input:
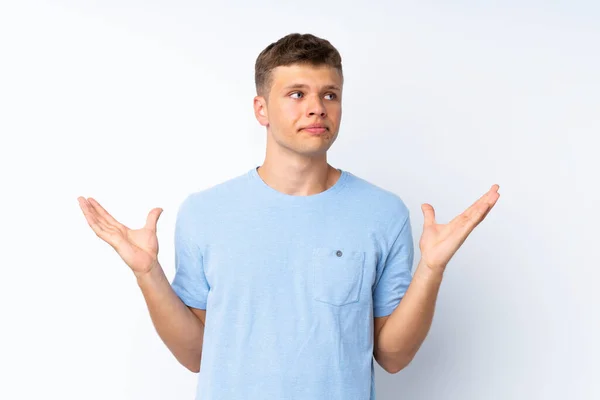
{"x":338,"y":253}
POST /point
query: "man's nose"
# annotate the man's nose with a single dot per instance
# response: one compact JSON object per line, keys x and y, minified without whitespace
{"x":316,"y":107}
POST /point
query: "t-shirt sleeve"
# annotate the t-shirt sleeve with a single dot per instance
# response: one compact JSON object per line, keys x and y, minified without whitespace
{"x":190,"y":282}
{"x":396,"y":270}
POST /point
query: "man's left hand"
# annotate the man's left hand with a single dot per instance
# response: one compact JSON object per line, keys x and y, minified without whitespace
{"x":440,"y":242}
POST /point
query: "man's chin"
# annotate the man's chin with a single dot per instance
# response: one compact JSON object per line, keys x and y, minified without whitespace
{"x":312,"y":151}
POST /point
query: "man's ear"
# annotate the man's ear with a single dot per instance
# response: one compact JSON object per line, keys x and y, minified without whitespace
{"x":260,"y":110}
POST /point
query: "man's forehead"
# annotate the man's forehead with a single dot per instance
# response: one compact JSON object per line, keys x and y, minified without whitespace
{"x":306,"y":76}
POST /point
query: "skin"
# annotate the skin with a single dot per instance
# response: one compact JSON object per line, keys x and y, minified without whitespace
{"x":399,"y":336}
{"x":295,"y":163}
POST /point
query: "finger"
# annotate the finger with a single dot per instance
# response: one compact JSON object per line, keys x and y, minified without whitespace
{"x":152,"y":219}
{"x":482,"y":201}
{"x":484,"y":209}
{"x":88,"y":211}
{"x":98,"y":227}
{"x":104,"y":216}
{"x":469,"y":221}
{"x":428,"y":214}
{"x":491,"y":205}
{"x":464,"y":224}
{"x":96,"y":217}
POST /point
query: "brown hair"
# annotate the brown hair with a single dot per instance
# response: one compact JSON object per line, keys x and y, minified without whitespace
{"x":294,"y":48}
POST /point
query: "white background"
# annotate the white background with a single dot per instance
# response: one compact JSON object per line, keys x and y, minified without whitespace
{"x":138,"y":103}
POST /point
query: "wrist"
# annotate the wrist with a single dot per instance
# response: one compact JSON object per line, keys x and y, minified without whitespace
{"x":429,"y":273}
{"x":151,"y":275}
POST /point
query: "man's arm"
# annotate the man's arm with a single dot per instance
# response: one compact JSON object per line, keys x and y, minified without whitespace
{"x":398,"y":338}
{"x":180,"y":328}
{"x":399,"y":335}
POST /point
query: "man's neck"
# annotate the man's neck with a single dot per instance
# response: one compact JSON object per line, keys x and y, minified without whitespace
{"x":299,"y":178}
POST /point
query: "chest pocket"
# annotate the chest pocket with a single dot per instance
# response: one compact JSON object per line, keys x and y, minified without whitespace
{"x":337,"y":275}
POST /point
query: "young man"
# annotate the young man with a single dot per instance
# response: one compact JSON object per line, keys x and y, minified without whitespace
{"x":292,"y":277}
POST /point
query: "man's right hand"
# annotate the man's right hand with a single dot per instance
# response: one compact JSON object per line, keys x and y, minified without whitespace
{"x":138,"y":248}
{"x":180,"y":327}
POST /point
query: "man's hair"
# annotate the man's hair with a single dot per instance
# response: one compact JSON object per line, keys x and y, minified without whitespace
{"x":294,"y":48}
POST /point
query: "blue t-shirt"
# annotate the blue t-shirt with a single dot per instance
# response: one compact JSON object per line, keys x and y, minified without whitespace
{"x":290,"y":285}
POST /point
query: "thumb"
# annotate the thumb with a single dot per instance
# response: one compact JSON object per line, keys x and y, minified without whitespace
{"x":429,"y":214}
{"x":152,"y":218}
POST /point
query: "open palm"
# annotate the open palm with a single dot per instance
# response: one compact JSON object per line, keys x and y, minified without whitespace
{"x":137,"y":247}
{"x":439,"y":242}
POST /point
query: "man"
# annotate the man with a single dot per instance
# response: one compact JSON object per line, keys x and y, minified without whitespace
{"x":289,"y":277}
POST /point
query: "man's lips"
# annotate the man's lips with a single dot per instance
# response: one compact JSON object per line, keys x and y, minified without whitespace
{"x":315,"y":129}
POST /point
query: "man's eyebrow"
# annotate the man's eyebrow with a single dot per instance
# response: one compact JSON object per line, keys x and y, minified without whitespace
{"x":303,"y":86}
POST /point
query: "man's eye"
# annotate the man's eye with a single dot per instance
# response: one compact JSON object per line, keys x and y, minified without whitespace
{"x":333,"y":95}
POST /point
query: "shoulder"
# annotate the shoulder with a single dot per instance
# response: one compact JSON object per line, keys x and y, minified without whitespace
{"x":383,"y":201}
{"x":216,"y":195}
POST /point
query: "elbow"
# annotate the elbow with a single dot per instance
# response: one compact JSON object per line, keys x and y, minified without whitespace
{"x":393,"y":366}
{"x":190,"y":363}
{"x":193,"y":367}
{"x":393,"y":369}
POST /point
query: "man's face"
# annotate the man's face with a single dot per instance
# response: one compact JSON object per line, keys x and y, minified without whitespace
{"x":300,"y":96}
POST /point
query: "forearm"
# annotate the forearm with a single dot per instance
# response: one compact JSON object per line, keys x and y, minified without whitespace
{"x":180,"y":330}
{"x":406,"y":328}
